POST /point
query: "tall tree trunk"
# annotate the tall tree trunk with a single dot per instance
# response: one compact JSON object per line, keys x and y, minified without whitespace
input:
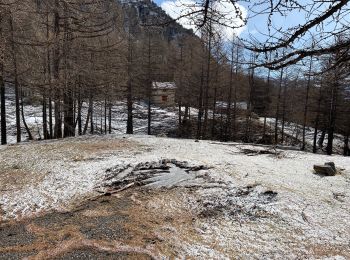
{"x":50,"y":117}
{"x":69,"y":129}
{"x":87,"y":119}
{"x":229,"y":99}
{"x":186,"y":115}
{"x":346,"y":151}
{"x":247,"y":136}
{"x":30,"y":136}
{"x":284,"y":111}
{"x":322,"y":137}
{"x":129,"y":123}
{"x":214,"y":101}
{"x":206,"y":94}
{"x":14,"y":58}
{"x":68,"y":101}
{"x":149,"y":85}
{"x":101,"y":117}
{"x":332,"y":117}
{"x":58,"y":121}
{"x":44,"y":105}
{"x":266,"y":107}
{"x":110,"y":118}
{"x":105,"y":116}
{"x":278,"y":106}
{"x":306,"y":104}
{"x":200,"y":106}
{"x":317,"y":121}
{"x":2,"y":84}
{"x":91,"y":112}
{"x":80,"y":105}
{"x":49,"y":74}
{"x":234,"y":136}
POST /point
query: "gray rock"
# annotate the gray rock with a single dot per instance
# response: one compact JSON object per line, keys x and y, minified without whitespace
{"x":327,"y":170}
{"x":332,"y":165}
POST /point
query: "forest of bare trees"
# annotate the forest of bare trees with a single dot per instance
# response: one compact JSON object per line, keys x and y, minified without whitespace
{"x":62,"y":54}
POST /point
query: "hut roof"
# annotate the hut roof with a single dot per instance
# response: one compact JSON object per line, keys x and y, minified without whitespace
{"x":163,"y":85}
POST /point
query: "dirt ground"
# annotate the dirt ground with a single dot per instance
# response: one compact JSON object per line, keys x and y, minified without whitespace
{"x":121,"y":226}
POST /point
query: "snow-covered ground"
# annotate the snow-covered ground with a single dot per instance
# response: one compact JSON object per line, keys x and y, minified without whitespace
{"x":296,"y":131}
{"x":163,"y":119}
{"x":246,"y":205}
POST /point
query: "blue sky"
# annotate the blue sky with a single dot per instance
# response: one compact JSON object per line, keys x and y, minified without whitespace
{"x":257,"y":26}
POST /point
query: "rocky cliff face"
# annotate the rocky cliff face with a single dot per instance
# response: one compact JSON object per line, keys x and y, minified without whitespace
{"x":142,"y":13}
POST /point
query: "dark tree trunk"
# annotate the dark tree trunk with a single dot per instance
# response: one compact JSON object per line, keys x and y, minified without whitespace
{"x":317,"y":121}
{"x":91,"y":110}
{"x":214,"y":102}
{"x":58,"y":120}
{"x":68,"y":101}
{"x":329,"y":148}
{"x":186,"y":115}
{"x":49,"y":75}
{"x":69,"y":129}
{"x":207,"y":85}
{"x":101,"y":118}
{"x":3,"y":108}
{"x":180,"y":88}
{"x":306,"y":104}
{"x":129,"y":123}
{"x":180,"y":116}
{"x":45,"y":131}
{"x":87,"y":120}
{"x":2,"y":86}
{"x":105,"y":117}
{"x":30,"y":136}
{"x":314,"y":146}
{"x":284,"y":111}
{"x":346,"y":146}
{"x":322,"y":137}
{"x":247,"y":136}
{"x":278,"y":107}
{"x":80,"y":104}
{"x":332,"y":118}
{"x":14,"y":57}
{"x":110,"y":118}
{"x":229,"y":101}
{"x":50,"y":118}
{"x":266,"y":108}
{"x":149,"y":87}
{"x":200,"y":107}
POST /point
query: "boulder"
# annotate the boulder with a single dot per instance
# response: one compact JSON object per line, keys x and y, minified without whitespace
{"x":327,"y":169}
{"x":332,"y":165}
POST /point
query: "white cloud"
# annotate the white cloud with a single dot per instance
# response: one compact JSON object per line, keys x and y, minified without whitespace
{"x":178,"y":8}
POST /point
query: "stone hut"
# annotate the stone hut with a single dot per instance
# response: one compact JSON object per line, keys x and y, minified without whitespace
{"x":163,"y":94}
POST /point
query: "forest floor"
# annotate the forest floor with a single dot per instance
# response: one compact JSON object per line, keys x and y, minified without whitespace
{"x":141,"y":197}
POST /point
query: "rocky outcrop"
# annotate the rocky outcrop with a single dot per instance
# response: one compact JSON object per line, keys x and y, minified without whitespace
{"x":145,"y":12}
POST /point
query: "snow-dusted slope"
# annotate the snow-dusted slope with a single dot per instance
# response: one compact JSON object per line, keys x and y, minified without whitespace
{"x":296,"y":131}
{"x":163,"y":119}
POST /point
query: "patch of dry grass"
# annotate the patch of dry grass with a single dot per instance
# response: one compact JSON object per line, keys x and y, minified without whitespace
{"x":19,"y":164}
